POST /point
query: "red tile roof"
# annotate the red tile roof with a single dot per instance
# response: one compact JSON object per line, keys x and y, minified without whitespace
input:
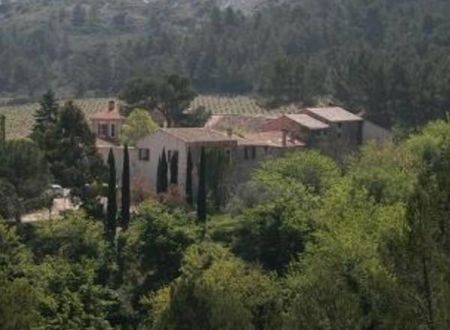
{"x":100,"y":144}
{"x":108,"y":115}
{"x":244,"y":122}
{"x":332,"y":114}
{"x":269,"y":139}
{"x":197,"y":134}
{"x":307,"y":121}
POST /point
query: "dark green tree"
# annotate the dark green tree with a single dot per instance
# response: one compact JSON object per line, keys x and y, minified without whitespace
{"x":9,"y":201}
{"x":23,"y":165}
{"x":170,"y":95}
{"x":2,"y":128}
{"x":164,"y":172}
{"x":111,"y":212}
{"x":47,"y":114}
{"x":202,"y":191}
{"x":125,"y":207}
{"x":174,"y":169}
{"x":189,"y":191}
{"x":159,"y":177}
{"x":71,"y":153}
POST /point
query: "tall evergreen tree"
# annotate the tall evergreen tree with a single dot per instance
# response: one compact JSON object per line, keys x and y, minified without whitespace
{"x":202,"y":193}
{"x":164,"y":172}
{"x":111,"y":212}
{"x":158,"y":177}
{"x":70,"y":149}
{"x":125,"y":210}
{"x":189,"y":196}
{"x":2,"y":128}
{"x":45,"y":117}
{"x":174,"y":169}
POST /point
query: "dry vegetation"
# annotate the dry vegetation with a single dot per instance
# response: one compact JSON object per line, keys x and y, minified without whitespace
{"x":19,"y":118}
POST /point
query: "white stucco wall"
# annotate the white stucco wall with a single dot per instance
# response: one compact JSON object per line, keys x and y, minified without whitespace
{"x":118,"y":157}
{"x":147,"y":170}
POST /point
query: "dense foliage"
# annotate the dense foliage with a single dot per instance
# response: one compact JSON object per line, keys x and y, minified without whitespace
{"x":387,"y":58}
{"x":24,"y":178}
{"x":137,"y":125}
{"x":363,"y":245}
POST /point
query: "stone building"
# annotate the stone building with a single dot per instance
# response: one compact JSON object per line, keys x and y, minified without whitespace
{"x":243,"y":140}
{"x":177,"y":142}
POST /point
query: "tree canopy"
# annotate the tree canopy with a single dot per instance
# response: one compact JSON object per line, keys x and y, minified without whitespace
{"x":171,"y":95}
{"x":137,"y":125}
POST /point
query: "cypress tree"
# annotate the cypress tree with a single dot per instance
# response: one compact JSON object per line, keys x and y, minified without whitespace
{"x":2,"y":128}
{"x":202,"y":193}
{"x":159,"y":177}
{"x":189,"y":197}
{"x":174,"y":169}
{"x":111,"y":212}
{"x":164,"y":168}
{"x":125,"y":210}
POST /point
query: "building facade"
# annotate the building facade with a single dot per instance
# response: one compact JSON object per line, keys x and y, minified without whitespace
{"x":333,"y":130}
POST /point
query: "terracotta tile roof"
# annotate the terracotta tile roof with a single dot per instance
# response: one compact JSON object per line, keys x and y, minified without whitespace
{"x":269,"y":139}
{"x":101,"y":144}
{"x":197,"y":134}
{"x":107,"y":114}
{"x":333,"y":114}
{"x":308,"y":121}
{"x":243,"y":122}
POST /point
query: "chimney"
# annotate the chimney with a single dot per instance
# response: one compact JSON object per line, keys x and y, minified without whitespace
{"x":285,"y":136}
{"x":230,"y":132}
{"x":111,"y":105}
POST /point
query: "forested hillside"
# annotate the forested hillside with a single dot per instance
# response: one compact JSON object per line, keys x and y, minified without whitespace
{"x":387,"y":58}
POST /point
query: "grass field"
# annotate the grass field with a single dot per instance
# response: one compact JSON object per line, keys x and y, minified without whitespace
{"x":19,"y":118}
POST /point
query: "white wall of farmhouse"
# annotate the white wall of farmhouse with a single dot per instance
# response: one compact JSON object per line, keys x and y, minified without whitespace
{"x":118,"y":157}
{"x":146,"y":170}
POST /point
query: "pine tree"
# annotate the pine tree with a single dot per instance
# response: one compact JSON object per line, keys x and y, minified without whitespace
{"x":164,"y":169}
{"x":202,"y":193}
{"x":125,"y":210}
{"x":70,"y":149}
{"x":46,"y":116}
{"x":111,"y":213}
{"x":174,"y":169}
{"x":189,"y":197}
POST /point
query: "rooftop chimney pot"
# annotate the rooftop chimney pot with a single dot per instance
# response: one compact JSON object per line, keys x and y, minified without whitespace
{"x":111,"y":105}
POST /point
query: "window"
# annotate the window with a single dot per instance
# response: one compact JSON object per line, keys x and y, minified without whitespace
{"x":144,"y":155}
{"x":102,"y":130}
{"x":339,"y":130}
{"x":113,"y":130}
{"x":228,"y":155}
{"x":247,"y":151}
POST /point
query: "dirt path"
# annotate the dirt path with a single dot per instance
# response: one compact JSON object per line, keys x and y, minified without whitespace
{"x":59,"y":206}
